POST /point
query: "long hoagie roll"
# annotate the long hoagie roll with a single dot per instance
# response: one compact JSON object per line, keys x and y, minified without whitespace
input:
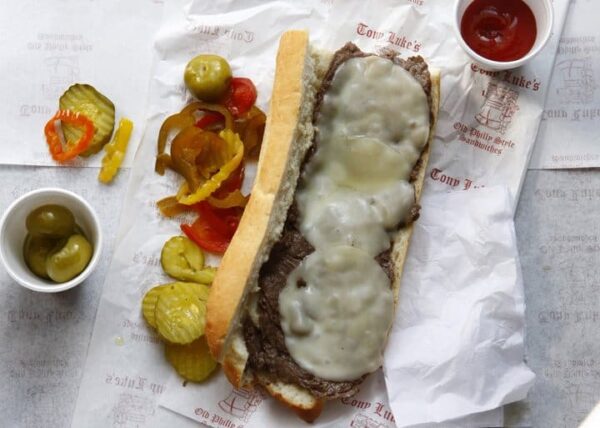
{"x":304,"y":297}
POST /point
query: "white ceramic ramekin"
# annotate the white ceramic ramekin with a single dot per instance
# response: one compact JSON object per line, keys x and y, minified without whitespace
{"x":13,"y":232}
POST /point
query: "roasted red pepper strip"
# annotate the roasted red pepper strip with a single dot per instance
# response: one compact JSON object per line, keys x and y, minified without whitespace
{"x":209,"y":216}
{"x":205,"y":237}
{"x":209,"y":119}
{"x":232,"y":217}
{"x":73,"y":149}
{"x":214,"y":228}
{"x":241,"y":96}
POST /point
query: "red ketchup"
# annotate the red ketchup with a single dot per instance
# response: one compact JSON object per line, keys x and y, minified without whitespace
{"x":500,"y":30}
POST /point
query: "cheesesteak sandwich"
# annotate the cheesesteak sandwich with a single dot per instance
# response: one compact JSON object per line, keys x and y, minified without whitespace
{"x":304,"y":298}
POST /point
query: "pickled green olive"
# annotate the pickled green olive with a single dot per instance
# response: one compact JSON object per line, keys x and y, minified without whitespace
{"x":52,"y":221}
{"x":35,"y":252}
{"x":207,"y":77}
{"x":69,"y":259}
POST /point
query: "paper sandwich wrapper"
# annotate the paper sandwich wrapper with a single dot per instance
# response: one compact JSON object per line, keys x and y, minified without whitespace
{"x":456,"y":349}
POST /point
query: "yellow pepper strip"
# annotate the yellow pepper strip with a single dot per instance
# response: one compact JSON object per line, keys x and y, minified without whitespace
{"x":115,"y":151}
{"x":233,"y":199}
{"x":231,"y":157}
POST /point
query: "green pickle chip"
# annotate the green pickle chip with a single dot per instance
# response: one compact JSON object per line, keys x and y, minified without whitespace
{"x":193,"y":362}
{"x":180,"y":312}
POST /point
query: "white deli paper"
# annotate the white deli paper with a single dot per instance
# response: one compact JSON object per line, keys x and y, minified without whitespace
{"x":126,"y":368}
{"x":218,"y":404}
{"x":568,"y":136}
{"x":461,"y":312}
{"x":559,"y":243}
{"x":54,"y":44}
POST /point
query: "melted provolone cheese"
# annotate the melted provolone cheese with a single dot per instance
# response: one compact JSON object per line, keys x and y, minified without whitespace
{"x":337,"y":306}
{"x":332,"y":310}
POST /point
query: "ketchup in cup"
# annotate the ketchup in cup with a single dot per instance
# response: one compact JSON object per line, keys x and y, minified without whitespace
{"x":499,"y":30}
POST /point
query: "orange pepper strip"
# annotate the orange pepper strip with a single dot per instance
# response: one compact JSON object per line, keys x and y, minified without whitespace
{"x":53,"y":139}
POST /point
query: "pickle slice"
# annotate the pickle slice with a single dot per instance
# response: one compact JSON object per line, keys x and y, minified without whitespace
{"x":183,"y":260}
{"x":149,"y":304}
{"x":180,"y":312}
{"x":86,"y":100}
{"x":200,"y":290}
{"x":193,"y":362}
{"x":207,"y":275}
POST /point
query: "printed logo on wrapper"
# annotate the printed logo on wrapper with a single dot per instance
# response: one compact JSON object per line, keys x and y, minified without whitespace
{"x":61,"y":72}
{"x":499,"y":107}
{"x":438,"y":175}
{"x":510,"y":77}
{"x":388,"y":38}
{"x":363,"y":421}
{"x":62,"y":66}
{"x":582,"y":399}
{"x":137,"y":332}
{"x":215,"y":31}
{"x":217,"y":39}
{"x":131,"y":411}
{"x":241,"y":403}
{"x":493,"y":118}
{"x":577,"y":83}
{"x":43,"y":410}
{"x":35,"y":109}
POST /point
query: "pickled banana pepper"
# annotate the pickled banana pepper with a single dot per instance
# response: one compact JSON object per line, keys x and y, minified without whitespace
{"x":55,"y":247}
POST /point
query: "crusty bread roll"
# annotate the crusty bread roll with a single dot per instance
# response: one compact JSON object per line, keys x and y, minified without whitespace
{"x":289,"y":134}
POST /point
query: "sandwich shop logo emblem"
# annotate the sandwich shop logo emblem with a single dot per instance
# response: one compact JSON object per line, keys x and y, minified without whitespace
{"x":363,"y":421}
{"x":61,"y":71}
{"x":131,"y":411}
{"x":499,"y":106}
{"x":241,"y":403}
{"x":577,"y":83}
